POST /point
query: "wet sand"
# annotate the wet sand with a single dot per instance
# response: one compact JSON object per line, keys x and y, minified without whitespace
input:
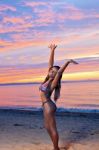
{"x":24,"y":130}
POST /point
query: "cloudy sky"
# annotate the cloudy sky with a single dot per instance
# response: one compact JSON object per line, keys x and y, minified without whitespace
{"x":28,"y":27}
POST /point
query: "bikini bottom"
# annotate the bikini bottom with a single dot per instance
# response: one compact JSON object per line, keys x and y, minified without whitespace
{"x":49,"y":101}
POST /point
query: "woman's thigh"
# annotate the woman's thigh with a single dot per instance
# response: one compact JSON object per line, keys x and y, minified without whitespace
{"x":49,"y":109}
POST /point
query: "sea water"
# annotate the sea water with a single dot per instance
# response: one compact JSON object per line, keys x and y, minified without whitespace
{"x":75,"y":96}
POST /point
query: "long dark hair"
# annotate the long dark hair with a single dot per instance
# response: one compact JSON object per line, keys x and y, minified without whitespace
{"x":58,"y":87}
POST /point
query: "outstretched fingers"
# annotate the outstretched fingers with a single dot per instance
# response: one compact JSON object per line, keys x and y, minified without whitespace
{"x":52,"y":46}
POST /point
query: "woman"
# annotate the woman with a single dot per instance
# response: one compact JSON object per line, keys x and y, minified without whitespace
{"x":52,"y":83}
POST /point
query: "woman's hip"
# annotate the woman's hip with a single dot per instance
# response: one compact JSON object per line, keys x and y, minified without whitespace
{"x":49,"y":105}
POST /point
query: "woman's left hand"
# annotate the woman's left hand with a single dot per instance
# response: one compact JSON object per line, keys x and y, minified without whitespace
{"x":52,"y":46}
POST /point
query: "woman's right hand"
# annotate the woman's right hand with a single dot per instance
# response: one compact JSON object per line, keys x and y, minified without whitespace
{"x":73,"y":61}
{"x":52,"y":46}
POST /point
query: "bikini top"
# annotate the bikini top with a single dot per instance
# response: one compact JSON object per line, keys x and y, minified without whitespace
{"x":42,"y":88}
{"x":45,"y":89}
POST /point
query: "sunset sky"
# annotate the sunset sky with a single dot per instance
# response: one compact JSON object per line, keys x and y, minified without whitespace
{"x":28,"y":27}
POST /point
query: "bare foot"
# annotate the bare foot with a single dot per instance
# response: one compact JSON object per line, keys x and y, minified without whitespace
{"x":63,"y":148}
{"x":56,"y":149}
{"x":66,"y":146}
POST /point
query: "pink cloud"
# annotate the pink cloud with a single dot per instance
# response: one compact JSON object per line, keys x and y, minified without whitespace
{"x":73,"y":13}
{"x":21,"y":41}
{"x":27,"y":36}
{"x":94,"y":15}
{"x":14,"y":74}
{"x":85,"y":66}
{"x":79,"y":51}
{"x":95,"y":35}
{"x":44,"y":16}
{"x":7,"y":7}
{"x":22,"y":44}
{"x":44,"y":19}
{"x":18,"y":28}
{"x":33,"y":4}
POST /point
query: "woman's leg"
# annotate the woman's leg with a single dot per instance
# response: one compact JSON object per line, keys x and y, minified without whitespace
{"x":54,"y":132}
{"x":50,"y":123}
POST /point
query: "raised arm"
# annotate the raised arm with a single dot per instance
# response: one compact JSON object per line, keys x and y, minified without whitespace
{"x":51,"y":58}
{"x":61,"y":70}
{"x":59,"y":73}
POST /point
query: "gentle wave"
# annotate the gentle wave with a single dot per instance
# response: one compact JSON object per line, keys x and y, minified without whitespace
{"x":60,"y":109}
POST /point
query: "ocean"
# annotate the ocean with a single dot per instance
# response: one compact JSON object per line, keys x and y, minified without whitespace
{"x":75,"y":96}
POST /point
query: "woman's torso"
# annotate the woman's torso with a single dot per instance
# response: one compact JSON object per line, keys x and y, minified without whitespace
{"x":45,"y":91}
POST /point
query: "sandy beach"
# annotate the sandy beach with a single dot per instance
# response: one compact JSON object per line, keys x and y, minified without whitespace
{"x":24,"y":130}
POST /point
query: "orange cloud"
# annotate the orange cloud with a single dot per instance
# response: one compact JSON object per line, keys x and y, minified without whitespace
{"x":82,"y":76}
{"x":14,"y":75}
{"x":13,"y":20}
{"x":85,"y":70}
{"x":4,"y":43}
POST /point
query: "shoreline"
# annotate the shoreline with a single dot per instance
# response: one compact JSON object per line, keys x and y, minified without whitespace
{"x":24,"y":130}
{"x":58,"y":113}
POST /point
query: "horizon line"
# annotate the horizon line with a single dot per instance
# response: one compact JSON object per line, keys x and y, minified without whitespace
{"x":63,"y":81}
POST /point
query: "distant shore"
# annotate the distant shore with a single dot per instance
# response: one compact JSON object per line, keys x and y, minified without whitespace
{"x":71,"y":81}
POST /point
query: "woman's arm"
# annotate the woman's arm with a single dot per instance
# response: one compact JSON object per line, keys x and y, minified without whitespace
{"x":61,"y":70}
{"x":59,"y":73}
{"x":51,"y":58}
